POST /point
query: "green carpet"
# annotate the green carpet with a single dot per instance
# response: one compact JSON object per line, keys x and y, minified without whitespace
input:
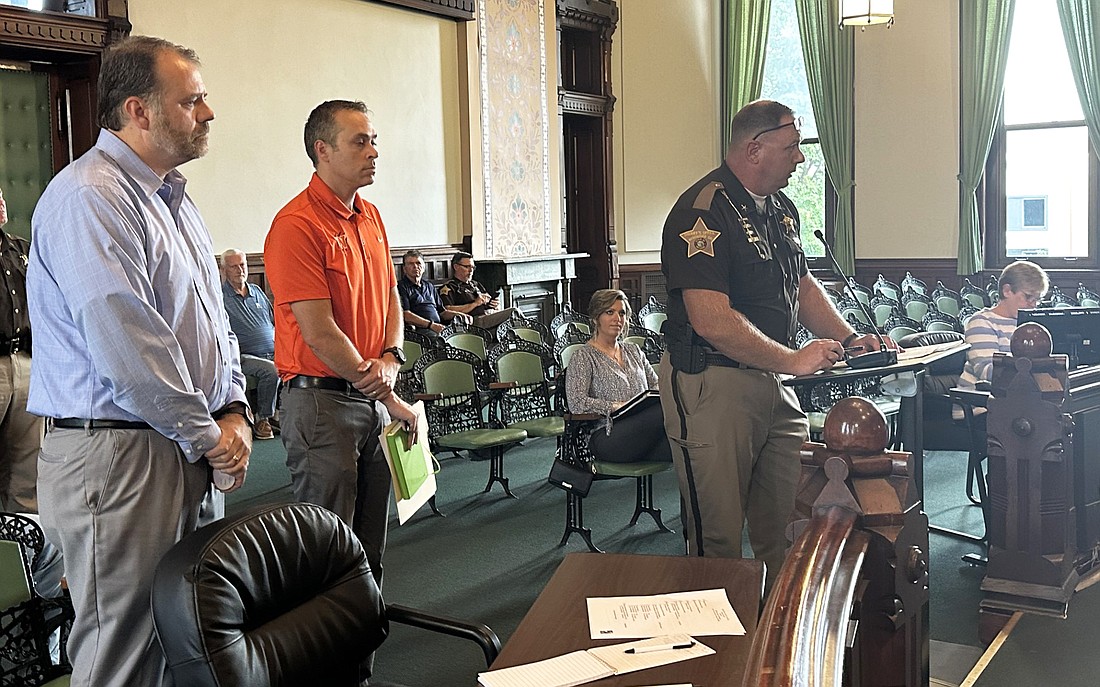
{"x":491,"y":556}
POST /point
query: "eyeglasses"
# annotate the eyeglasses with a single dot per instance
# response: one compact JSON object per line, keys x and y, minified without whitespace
{"x":796,"y":123}
{"x":468,"y":267}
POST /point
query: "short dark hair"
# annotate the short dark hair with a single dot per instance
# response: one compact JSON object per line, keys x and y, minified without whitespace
{"x":412,"y":253}
{"x":321,"y":124}
{"x":129,"y":70}
{"x":755,"y":117}
{"x":459,"y":257}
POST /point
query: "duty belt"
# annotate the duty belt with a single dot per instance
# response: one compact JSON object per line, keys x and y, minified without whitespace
{"x":15,"y":344}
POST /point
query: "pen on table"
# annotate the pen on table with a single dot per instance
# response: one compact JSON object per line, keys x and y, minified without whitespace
{"x":853,"y":349}
{"x":658,"y":647}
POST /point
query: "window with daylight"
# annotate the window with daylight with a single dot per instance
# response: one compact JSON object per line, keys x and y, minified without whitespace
{"x":1040,"y":179}
{"x":785,"y":81}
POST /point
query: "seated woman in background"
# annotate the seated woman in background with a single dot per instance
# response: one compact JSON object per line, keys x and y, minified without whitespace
{"x":605,"y":374}
{"x":989,"y":331}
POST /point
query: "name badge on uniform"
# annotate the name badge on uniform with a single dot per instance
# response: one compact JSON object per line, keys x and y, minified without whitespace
{"x":700,"y":238}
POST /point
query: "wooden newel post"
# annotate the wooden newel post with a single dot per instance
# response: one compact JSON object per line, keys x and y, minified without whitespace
{"x":1032,"y":520}
{"x":857,"y":572}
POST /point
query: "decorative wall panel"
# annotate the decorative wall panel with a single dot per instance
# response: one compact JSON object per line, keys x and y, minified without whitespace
{"x":515,"y":128}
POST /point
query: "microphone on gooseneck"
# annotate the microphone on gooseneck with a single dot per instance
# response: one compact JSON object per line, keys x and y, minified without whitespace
{"x":883,"y":356}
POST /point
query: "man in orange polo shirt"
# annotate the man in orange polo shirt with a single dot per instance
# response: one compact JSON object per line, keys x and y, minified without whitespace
{"x":338,"y":328}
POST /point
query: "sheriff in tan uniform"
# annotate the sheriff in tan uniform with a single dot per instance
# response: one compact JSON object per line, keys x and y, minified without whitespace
{"x":738,"y":286}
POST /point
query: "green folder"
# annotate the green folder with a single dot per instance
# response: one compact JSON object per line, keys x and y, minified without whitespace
{"x":408,"y":463}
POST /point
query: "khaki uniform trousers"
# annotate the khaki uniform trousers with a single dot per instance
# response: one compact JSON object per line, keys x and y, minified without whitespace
{"x":20,"y":437}
{"x":735,"y":436}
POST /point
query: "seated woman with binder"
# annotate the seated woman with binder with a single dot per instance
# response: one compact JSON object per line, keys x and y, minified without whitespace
{"x":611,"y":377}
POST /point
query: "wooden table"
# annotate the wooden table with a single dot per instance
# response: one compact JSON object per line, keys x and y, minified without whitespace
{"x":558,"y":621}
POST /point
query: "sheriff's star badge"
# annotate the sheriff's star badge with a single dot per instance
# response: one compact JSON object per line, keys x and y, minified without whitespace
{"x":700,"y":239}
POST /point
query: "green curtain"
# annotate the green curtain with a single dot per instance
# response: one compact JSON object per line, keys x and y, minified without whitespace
{"x":1080,"y":23}
{"x":829,"y":53}
{"x":744,"y":33}
{"x":984,"y":35}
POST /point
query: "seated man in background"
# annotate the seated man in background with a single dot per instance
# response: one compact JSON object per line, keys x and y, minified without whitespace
{"x":250,"y":317}
{"x":1022,"y":285}
{"x":420,"y":303}
{"x":463,"y":294}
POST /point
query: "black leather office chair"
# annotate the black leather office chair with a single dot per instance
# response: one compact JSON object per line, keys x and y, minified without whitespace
{"x":278,"y":595}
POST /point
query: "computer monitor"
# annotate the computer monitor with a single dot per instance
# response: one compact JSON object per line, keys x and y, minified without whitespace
{"x":1073,"y":331}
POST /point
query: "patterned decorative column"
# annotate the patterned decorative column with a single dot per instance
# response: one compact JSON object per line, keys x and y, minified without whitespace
{"x":515,"y":150}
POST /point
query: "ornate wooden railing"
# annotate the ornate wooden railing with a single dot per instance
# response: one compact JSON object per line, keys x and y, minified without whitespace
{"x":850,"y":605}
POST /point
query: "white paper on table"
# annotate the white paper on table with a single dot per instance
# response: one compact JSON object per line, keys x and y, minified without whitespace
{"x":406,"y":507}
{"x":567,"y":670}
{"x":615,"y":655}
{"x":704,"y":612}
{"x":580,"y":667}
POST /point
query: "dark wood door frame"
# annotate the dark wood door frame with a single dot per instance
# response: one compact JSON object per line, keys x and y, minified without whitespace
{"x":585,"y":106}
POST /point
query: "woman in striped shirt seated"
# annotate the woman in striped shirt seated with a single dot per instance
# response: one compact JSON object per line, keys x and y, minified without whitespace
{"x":989,"y":331}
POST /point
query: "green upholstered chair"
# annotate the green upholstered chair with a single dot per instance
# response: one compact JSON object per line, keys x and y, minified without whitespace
{"x":571,"y":339}
{"x":523,"y":370}
{"x":884,"y":287}
{"x":414,"y":346}
{"x":650,"y":342}
{"x":946,"y":300}
{"x":911,"y":283}
{"x":1087,"y":297}
{"x":937,"y":321}
{"x":973,"y":295}
{"x":575,"y":451}
{"x":883,"y":307}
{"x":26,"y":619}
{"x":915,"y":304}
{"x":476,"y":340}
{"x":652,"y":315}
{"x":565,"y":317}
{"x":454,"y":383}
{"x":519,"y":326}
{"x":862,"y":293}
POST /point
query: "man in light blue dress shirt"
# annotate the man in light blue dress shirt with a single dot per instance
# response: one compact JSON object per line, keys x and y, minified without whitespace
{"x":135,"y":363}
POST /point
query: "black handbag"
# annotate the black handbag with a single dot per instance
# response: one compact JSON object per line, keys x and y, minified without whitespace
{"x":576,"y":479}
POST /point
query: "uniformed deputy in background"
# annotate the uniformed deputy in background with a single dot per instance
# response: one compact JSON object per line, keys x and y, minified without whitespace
{"x":738,"y":287}
{"x":20,"y":432}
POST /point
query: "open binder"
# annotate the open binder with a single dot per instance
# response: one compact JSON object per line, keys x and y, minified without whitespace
{"x":637,"y":404}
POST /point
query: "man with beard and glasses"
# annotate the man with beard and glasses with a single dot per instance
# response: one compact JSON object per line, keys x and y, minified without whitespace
{"x":136,"y":369}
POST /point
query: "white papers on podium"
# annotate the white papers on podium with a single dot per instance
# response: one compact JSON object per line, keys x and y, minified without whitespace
{"x":580,"y":667}
{"x":406,"y":507}
{"x":706,"y":612}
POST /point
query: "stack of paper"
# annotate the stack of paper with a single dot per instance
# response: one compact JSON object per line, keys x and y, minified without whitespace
{"x":580,"y":667}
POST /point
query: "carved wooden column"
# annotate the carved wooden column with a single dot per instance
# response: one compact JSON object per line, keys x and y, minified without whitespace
{"x":1032,"y":519}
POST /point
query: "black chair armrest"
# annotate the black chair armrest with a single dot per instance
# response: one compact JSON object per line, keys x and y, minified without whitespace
{"x":969,"y":397}
{"x":581,"y":417}
{"x":475,"y":632}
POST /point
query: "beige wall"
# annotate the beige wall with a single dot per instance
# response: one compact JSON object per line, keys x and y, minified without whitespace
{"x":666,"y":125}
{"x":267,"y":63}
{"x":907,"y":134}
{"x":665,"y":77}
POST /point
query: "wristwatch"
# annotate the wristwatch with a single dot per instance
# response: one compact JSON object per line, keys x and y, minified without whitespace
{"x":397,"y":353}
{"x":237,"y":408}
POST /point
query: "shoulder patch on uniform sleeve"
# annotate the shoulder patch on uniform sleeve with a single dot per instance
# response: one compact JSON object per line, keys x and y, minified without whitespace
{"x":706,"y":195}
{"x":700,"y":238}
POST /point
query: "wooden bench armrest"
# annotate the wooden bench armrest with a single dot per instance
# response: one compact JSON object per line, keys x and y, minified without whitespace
{"x":427,"y":397}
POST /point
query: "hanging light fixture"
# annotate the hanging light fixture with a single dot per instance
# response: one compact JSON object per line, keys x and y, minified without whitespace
{"x":864,"y":13}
